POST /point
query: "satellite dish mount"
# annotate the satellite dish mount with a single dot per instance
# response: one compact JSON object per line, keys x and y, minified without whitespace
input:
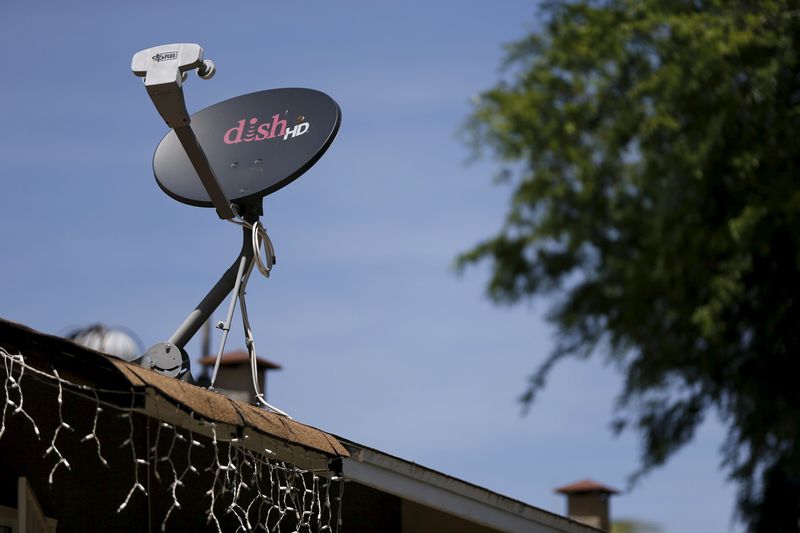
{"x":164,"y":69}
{"x":239,"y":151}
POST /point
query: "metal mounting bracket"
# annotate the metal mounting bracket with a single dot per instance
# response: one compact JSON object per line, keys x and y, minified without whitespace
{"x":164,"y":68}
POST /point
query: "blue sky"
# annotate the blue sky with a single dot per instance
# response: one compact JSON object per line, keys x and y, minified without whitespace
{"x":380,"y":341}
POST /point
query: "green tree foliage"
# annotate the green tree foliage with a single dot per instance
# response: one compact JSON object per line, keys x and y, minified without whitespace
{"x":653,"y":150}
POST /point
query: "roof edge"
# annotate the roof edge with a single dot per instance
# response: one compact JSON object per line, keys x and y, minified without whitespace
{"x":95,"y":368}
{"x":449,"y":494}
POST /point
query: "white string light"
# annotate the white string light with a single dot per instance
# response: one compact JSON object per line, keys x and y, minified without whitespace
{"x":93,"y":434}
{"x":258,"y":490}
{"x":61,"y":425}
{"x":136,"y":462}
{"x":16,"y":384}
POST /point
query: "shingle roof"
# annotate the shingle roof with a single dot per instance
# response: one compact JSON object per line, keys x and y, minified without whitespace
{"x":83,"y":365}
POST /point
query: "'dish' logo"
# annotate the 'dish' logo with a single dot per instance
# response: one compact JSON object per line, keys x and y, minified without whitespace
{"x":166,"y":56}
{"x":253,"y":131}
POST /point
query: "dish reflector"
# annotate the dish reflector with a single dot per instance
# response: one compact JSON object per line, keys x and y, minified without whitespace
{"x":256,"y":144}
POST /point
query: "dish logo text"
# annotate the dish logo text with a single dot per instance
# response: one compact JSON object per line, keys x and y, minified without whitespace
{"x":249,"y":130}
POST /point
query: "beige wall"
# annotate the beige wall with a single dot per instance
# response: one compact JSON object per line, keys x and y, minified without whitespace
{"x":417,"y":518}
{"x":590,"y":509}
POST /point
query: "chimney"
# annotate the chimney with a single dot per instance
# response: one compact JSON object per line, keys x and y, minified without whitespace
{"x":588,"y":503}
{"x":234,"y":378}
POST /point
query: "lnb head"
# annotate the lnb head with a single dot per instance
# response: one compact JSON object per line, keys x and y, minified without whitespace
{"x":164,"y":70}
{"x":164,"y":64}
{"x":207,"y":70}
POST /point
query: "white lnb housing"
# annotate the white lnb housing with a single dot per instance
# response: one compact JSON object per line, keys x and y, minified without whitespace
{"x":162,"y":68}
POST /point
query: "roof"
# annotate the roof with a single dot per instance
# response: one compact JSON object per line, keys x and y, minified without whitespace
{"x":169,"y":399}
{"x":417,"y":483}
{"x":238,"y":357}
{"x":184,"y":404}
{"x":586,"y":485}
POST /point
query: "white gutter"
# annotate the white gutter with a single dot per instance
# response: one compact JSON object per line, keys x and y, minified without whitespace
{"x":450,"y":495}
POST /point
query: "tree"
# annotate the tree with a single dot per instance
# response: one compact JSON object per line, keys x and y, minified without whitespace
{"x":653,"y":150}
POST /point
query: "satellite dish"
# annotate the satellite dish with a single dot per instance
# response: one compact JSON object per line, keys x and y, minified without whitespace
{"x":228,"y":156}
{"x":116,"y":341}
{"x":256,"y":144}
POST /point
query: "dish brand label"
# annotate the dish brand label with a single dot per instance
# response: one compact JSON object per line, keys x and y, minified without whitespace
{"x":166,"y":56}
{"x":250,"y":130}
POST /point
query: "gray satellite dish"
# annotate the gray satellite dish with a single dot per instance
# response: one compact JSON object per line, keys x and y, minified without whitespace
{"x":256,"y":143}
{"x":229,"y":156}
{"x":116,"y":341}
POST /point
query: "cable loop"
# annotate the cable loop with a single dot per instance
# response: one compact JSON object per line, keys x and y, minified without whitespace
{"x":260,"y":238}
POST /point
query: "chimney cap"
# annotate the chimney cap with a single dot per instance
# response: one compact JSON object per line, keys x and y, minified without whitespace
{"x":238,"y":357}
{"x":585,"y":486}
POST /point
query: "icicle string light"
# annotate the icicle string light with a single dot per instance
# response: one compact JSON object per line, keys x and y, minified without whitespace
{"x":61,"y":425}
{"x":252,"y":489}
{"x":15,"y":384}
{"x":136,"y":462}
{"x":93,"y":435}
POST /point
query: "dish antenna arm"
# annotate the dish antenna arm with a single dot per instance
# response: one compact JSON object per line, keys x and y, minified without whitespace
{"x":221,"y":289}
{"x":164,"y":69}
{"x":170,"y":357}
